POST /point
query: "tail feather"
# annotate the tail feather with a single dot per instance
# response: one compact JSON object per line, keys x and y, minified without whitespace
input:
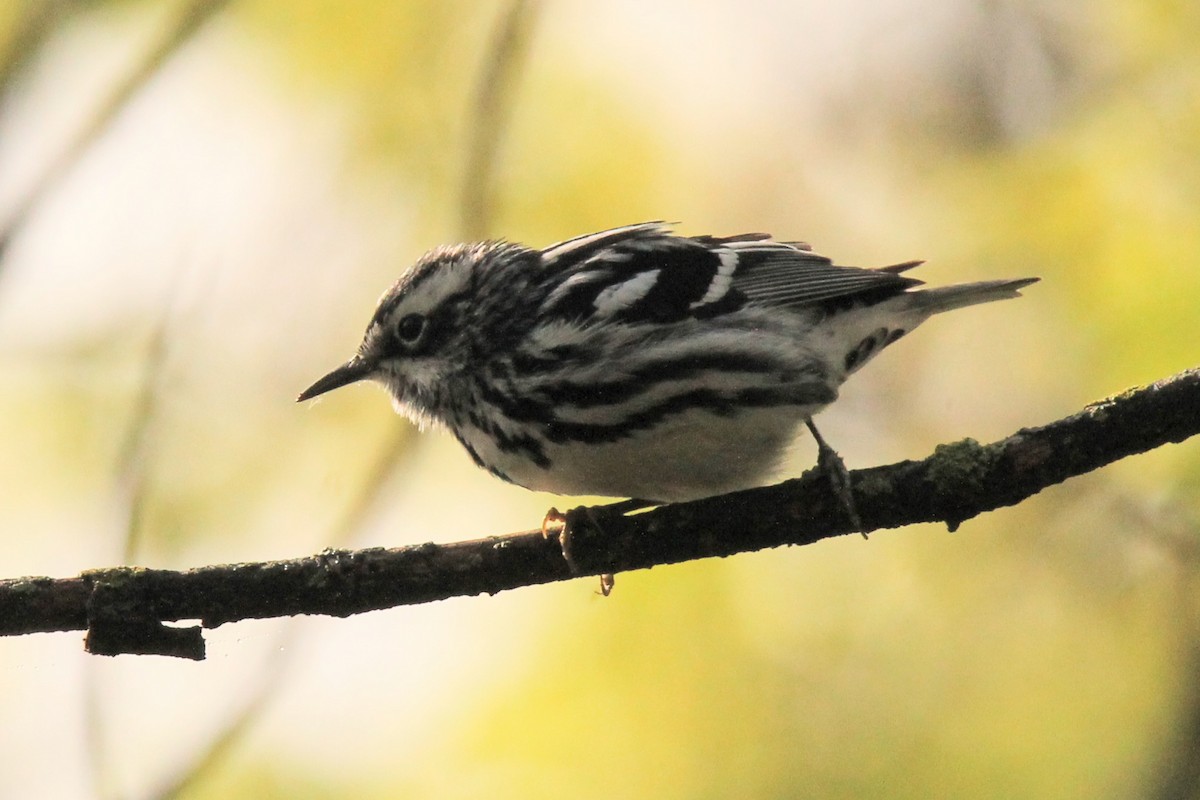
{"x":948,"y":298}
{"x":896,"y":269}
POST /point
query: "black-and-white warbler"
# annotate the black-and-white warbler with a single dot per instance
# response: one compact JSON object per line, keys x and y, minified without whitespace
{"x":633,"y":362}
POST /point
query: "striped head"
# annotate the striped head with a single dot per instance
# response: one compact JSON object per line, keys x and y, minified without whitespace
{"x":436,"y":325}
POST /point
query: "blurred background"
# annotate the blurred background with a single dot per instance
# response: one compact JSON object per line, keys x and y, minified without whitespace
{"x":201,"y":200}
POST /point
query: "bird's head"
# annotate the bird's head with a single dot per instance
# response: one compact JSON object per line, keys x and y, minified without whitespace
{"x":431,"y":327}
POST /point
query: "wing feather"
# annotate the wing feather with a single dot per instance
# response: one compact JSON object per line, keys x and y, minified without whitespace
{"x":644,"y":273}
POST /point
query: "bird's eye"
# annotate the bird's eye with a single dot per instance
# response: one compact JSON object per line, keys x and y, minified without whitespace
{"x":410,"y":327}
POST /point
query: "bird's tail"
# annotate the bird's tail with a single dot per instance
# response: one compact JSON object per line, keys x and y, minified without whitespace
{"x":948,"y":298}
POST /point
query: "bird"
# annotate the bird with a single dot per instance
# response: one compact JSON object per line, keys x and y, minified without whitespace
{"x":634,"y":362}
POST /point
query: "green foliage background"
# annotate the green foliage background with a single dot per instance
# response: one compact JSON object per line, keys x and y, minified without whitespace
{"x":221,"y":239}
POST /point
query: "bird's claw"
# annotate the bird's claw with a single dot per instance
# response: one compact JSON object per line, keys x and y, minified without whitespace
{"x":839,"y":478}
{"x":554,"y":517}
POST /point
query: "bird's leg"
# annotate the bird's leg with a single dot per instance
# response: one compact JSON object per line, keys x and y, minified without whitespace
{"x":595,"y":515}
{"x":839,"y":477}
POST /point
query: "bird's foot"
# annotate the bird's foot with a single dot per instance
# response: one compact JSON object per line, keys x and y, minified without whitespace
{"x":839,"y":478}
{"x":595,"y":516}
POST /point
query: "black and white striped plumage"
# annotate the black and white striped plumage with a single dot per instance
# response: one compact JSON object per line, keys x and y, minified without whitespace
{"x":632,"y":362}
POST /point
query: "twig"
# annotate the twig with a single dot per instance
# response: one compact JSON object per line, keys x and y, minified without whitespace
{"x":190,"y":20}
{"x":123,"y":609}
{"x":492,"y":104}
{"x":36,"y":21}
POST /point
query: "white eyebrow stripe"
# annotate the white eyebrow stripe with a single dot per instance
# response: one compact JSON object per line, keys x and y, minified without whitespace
{"x":722,"y":280}
{"x":624,"y":294}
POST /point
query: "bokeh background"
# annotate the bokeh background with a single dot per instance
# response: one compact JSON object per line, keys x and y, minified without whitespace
{"x":200,"y":202}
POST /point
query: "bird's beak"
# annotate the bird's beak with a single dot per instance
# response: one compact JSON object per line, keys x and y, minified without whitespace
{"x":353,"y":370}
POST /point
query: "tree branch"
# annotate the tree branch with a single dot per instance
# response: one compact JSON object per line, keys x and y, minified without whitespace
{"x":123,"y":609}
{"x":491,"y":109}
{"x":189,"y":20}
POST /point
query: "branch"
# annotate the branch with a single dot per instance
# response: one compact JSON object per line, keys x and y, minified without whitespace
{"x":490,"y":113}
{"x":190,"y":20}
{"x":123,"y":609}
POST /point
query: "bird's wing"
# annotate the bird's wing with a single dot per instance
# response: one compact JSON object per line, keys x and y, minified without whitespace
{"x":644,"y":273}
